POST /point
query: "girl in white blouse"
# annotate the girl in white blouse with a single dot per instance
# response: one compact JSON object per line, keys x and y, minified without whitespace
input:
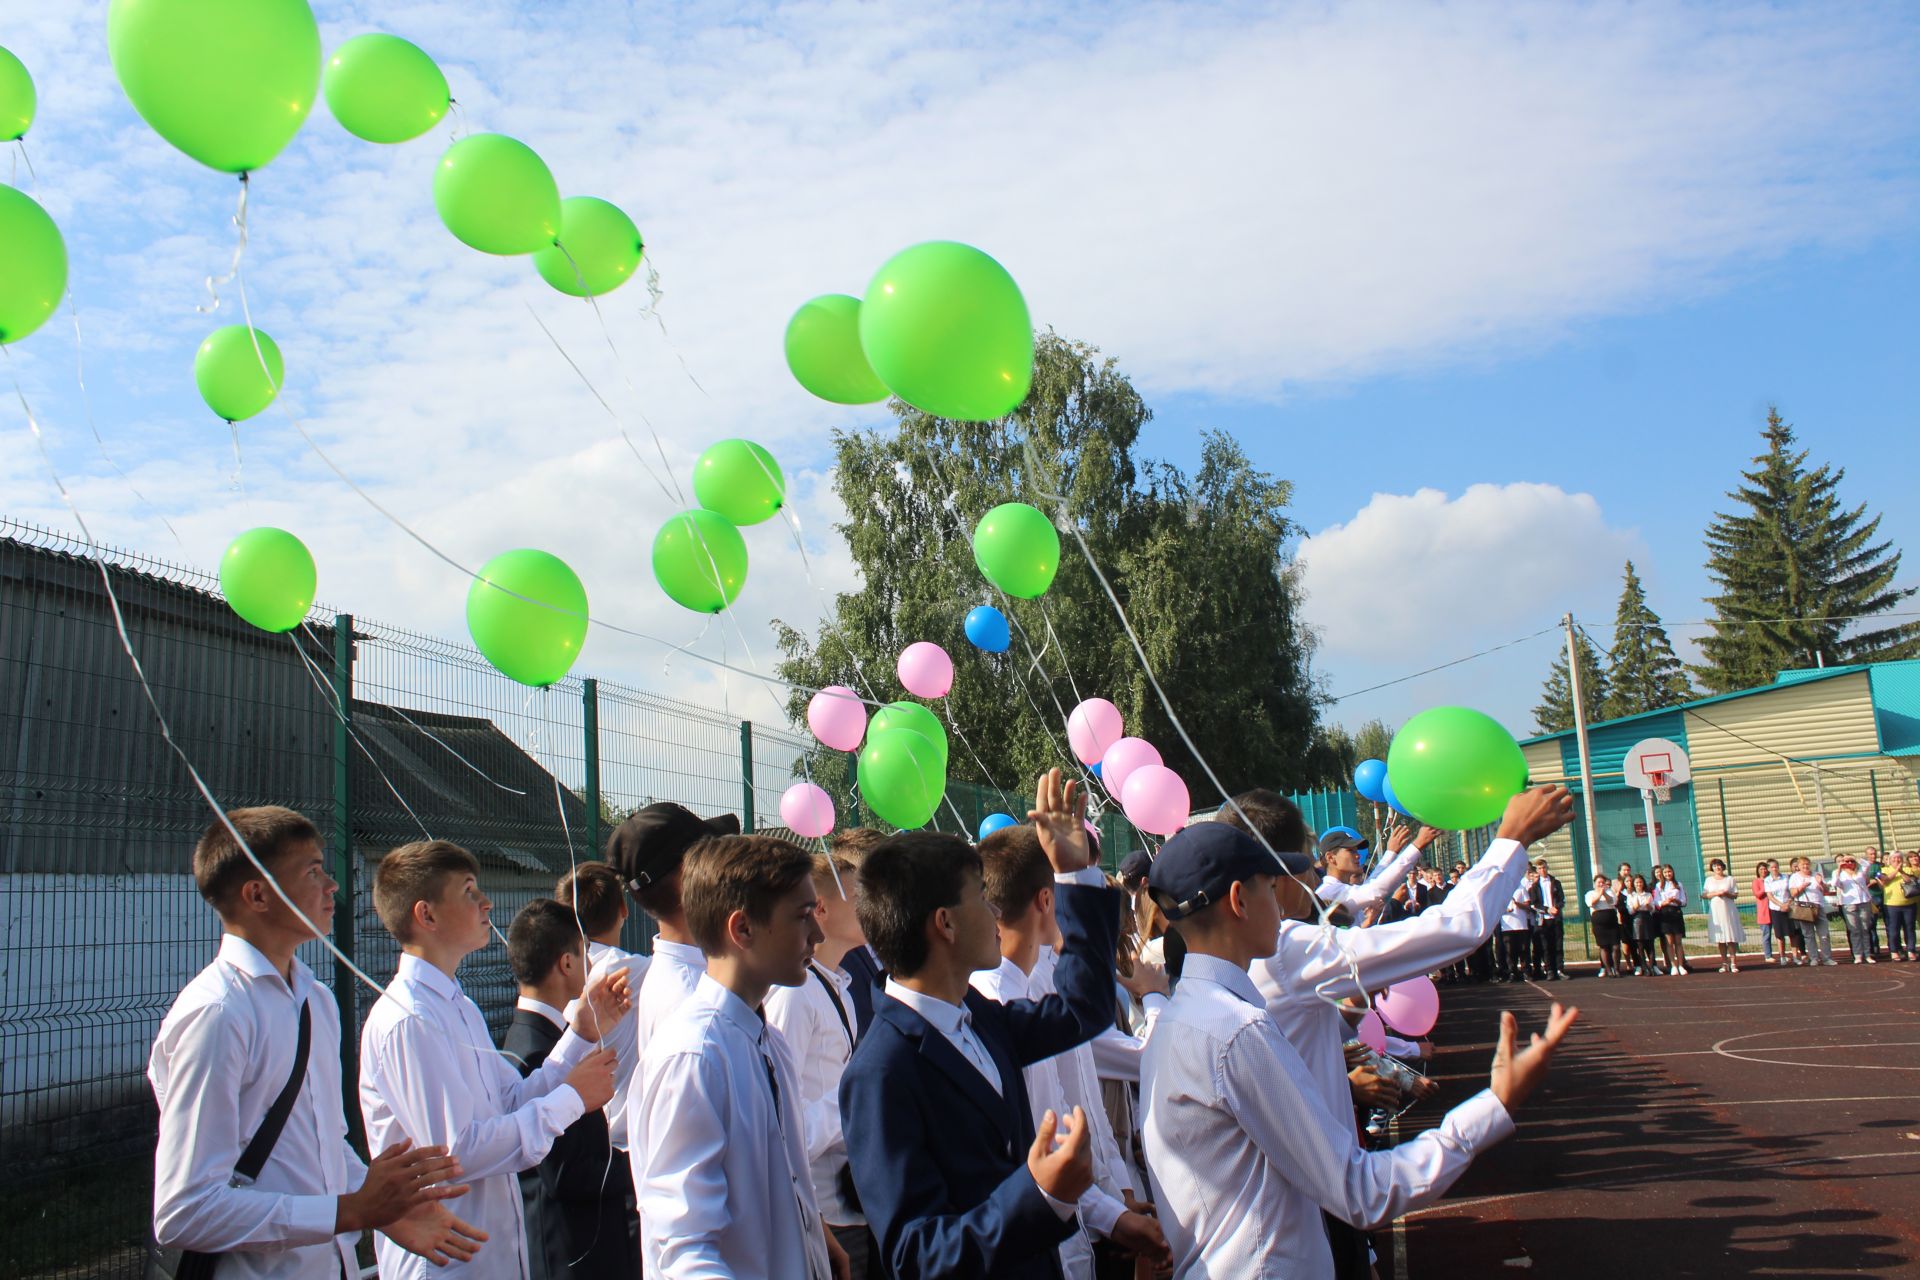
{"x":1669,"y":913}
{"x":1724,"y":929}
{"x":1603,"y":910}
{"x":1637,"y":902}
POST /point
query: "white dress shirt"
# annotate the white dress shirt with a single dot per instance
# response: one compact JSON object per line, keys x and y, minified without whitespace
{"x":1314,"y":965}
{"x":620,"y":1037}
{"x":1117,"y":1054}
{"x":1669,"y":895}
{"x":723,"y":1184}
{"x":429,"y":1072}
{"x":1243,"y":1155}
{"x":1598,"y":901}
{"x":222,"y":1055}
{"x":673,"y":975}
{"x":1376,"y":888}
{"x":1778,"y":894}
{"x":1080,"y":1076}
{"x":1802,"y":887}
{"x":820,"y":1045}
{"x":1517,"y":916}
{"x":1853,"y":888}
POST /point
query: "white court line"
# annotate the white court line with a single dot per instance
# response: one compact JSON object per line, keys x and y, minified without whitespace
{"x":1696,"y":1104}
{"x":1617,"y":1177}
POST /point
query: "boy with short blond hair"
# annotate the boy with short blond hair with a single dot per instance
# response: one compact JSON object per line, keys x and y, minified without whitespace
{"x":428,"y":1069}
{"x":228,"y":1049}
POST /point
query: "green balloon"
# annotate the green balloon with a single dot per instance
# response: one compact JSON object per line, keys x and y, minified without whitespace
{"x":227,"y":370}
{"x":899,"y":779}
{"x":739,"y":480}
{"x":1018,"y":549}
{"x":914,"y":718}
{"x":33,"y":266}
{"x":229,"y":82}
{"x":1455,"y":767}
{"x":496,"y":195}
{"x":700,"y":561}
{"x":267,"y":575}
{"x":534,"y":639}
{"x":17,"y":98}
{"x":598,"y":251}
{"x":384,"y":89}
{"x":823,"y":350}
{"x":945,"y":327}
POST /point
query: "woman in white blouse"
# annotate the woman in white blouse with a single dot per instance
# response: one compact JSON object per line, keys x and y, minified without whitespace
{"x":1808,"y":888}
{"x":1669,"y":913}
{"x":1637,"y":905}
{"x":1724,"y":929}
{"x":1856,"y":904}
{"x":1603,"y":910}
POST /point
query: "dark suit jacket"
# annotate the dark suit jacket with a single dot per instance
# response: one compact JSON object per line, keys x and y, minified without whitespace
{"x":940,"y":1159}
{"x":579,"y":1207}
{"x":859,"y":965}
{"x":1540,"y":891}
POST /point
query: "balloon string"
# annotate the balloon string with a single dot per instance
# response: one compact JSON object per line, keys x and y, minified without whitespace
{"x":86,"y":404}
{"x":652,"y":309}
{"x":459,"y":115}
{"x":166,"y":728}
{"x":233,"y":268}
{"x":611,"y":411}
{"x":329,"y":696}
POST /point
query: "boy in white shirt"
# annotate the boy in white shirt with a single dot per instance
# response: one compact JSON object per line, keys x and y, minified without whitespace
{"x":227,"y":1049}
{"x":723,"y":1176}
{"x":819,"y":1022}
{"x":428,"y":1070}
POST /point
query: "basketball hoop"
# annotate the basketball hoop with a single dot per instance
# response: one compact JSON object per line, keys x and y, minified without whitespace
{"x":1660,"y":782}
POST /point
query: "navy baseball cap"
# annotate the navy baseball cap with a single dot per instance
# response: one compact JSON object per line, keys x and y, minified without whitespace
{"x":1135,"y":866}
{"x":650,"y":844}
{"x":1197,"y":867}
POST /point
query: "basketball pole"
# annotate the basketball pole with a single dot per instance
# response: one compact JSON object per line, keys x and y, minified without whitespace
{"x":1653,"y":840}
{"x":1586,"y":756}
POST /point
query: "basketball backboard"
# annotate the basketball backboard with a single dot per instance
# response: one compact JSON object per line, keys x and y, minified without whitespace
{"x":1654,"y":763}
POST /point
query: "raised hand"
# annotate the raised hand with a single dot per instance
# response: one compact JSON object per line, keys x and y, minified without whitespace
{"x":1146,"y":980}
{"x":399,"y":1180}
{"x":1058,"y":816}
{"x":606,"y":1001}
{"x":1063,"y":1167}
{"x":1537,"y":813}
{"x":1516,"y":1076}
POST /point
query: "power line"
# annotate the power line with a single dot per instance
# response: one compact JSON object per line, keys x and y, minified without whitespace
{"x":1443,"y":666}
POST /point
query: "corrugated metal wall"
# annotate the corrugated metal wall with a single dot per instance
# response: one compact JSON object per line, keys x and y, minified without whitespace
{"x":1807,"y":720}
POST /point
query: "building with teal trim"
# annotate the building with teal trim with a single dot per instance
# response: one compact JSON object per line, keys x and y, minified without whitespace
{"x":1818,"y":763}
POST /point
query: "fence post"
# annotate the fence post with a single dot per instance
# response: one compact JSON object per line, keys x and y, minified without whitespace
{"x":1879,"y":829}
{"x":746,"y":775}
{"x":345,"y":994}
{"x":590,"y":732}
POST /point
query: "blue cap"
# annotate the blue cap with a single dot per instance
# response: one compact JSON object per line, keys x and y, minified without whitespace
{"x":1197,"y":867}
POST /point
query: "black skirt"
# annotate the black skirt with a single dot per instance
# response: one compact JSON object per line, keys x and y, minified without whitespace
{"x":1606,"y":927}
{"x":1673,"y":921}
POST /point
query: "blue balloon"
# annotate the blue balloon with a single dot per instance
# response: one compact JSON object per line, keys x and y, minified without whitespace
{"x":995,"y":822}
{"x":987,"y":629}
{"x":1392,"y":801}
{"x":1096,"y":771}
{"x":1369,"y":778}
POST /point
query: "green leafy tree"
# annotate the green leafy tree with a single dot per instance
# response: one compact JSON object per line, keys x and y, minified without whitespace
{"x":1200,"y":564}
{"x":1800,"y":576}
{"x":1555,"y":711}
{"x":1645,"y":674}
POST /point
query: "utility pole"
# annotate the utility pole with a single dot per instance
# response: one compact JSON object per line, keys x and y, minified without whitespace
{"x":1596,"y":867}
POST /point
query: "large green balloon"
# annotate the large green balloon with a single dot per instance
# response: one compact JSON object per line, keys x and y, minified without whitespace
{"x":496,"y":195}
{"x":823,"y":350}
{"x":914,"y":718}
{"x":700,"y":560}
{"x":945,"y":327}
{"x":384,"y":89}
{"x":536,"y":639}
{"x":16,"y":97}
{"x":267,"y":575}
{"x":739,"y":480}
{"x":227,"y":81}
{"x":227,"y":370}
{"x":599,"y":248}
{"x":1018,"y":549}
{"x":899,"y":779}
{"x":33,"y":265}
{"x":1455,"y":767}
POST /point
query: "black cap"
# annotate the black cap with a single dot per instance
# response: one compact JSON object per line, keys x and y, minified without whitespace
{"x":1197,"y":867}
{"x":648,"y":846}
{"x":1135,"y":865}
{"x":1340,"y":838}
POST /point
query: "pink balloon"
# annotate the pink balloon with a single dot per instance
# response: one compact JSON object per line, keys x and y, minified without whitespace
{"x":1093,"y":727}
{"x":1372,"y":1032}
{"x":1155,"y":799}
{"x":1411,"y":1007}
{"x":925,"y":670}
{"x":807,"y":810}
{"x":1122,"y":758}
{"x":837,"y":717}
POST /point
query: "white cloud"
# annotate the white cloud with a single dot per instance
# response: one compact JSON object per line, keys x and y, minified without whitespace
{"x":1229,"y":199}
{"x":1418,"y":579}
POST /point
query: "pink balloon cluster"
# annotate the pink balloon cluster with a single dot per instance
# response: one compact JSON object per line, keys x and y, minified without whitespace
{"x":1372,"y":1032}
{"x":1093,"y":727}
{"x":1153,"y":796}
{"x":1411,"y":1007}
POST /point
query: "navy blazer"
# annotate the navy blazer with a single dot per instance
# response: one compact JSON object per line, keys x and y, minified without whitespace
{"x":939,"y":1158}
{"x":864,"y":979}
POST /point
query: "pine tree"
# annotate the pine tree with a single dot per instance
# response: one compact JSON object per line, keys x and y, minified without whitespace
{"x":1799,"y":575}
{"x":1645,"y":672}
{"x":1555,"y":711}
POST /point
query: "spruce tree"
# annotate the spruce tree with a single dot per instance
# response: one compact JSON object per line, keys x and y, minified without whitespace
{"x":1800,"y":576}
{"x":1645,"y":672}
{"x":1555,"y":711}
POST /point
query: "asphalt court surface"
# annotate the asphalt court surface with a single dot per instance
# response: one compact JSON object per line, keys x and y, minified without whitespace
{"x":1765,"y":1123}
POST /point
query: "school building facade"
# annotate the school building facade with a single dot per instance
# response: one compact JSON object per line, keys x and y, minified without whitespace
{"x":1819,"y":763}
